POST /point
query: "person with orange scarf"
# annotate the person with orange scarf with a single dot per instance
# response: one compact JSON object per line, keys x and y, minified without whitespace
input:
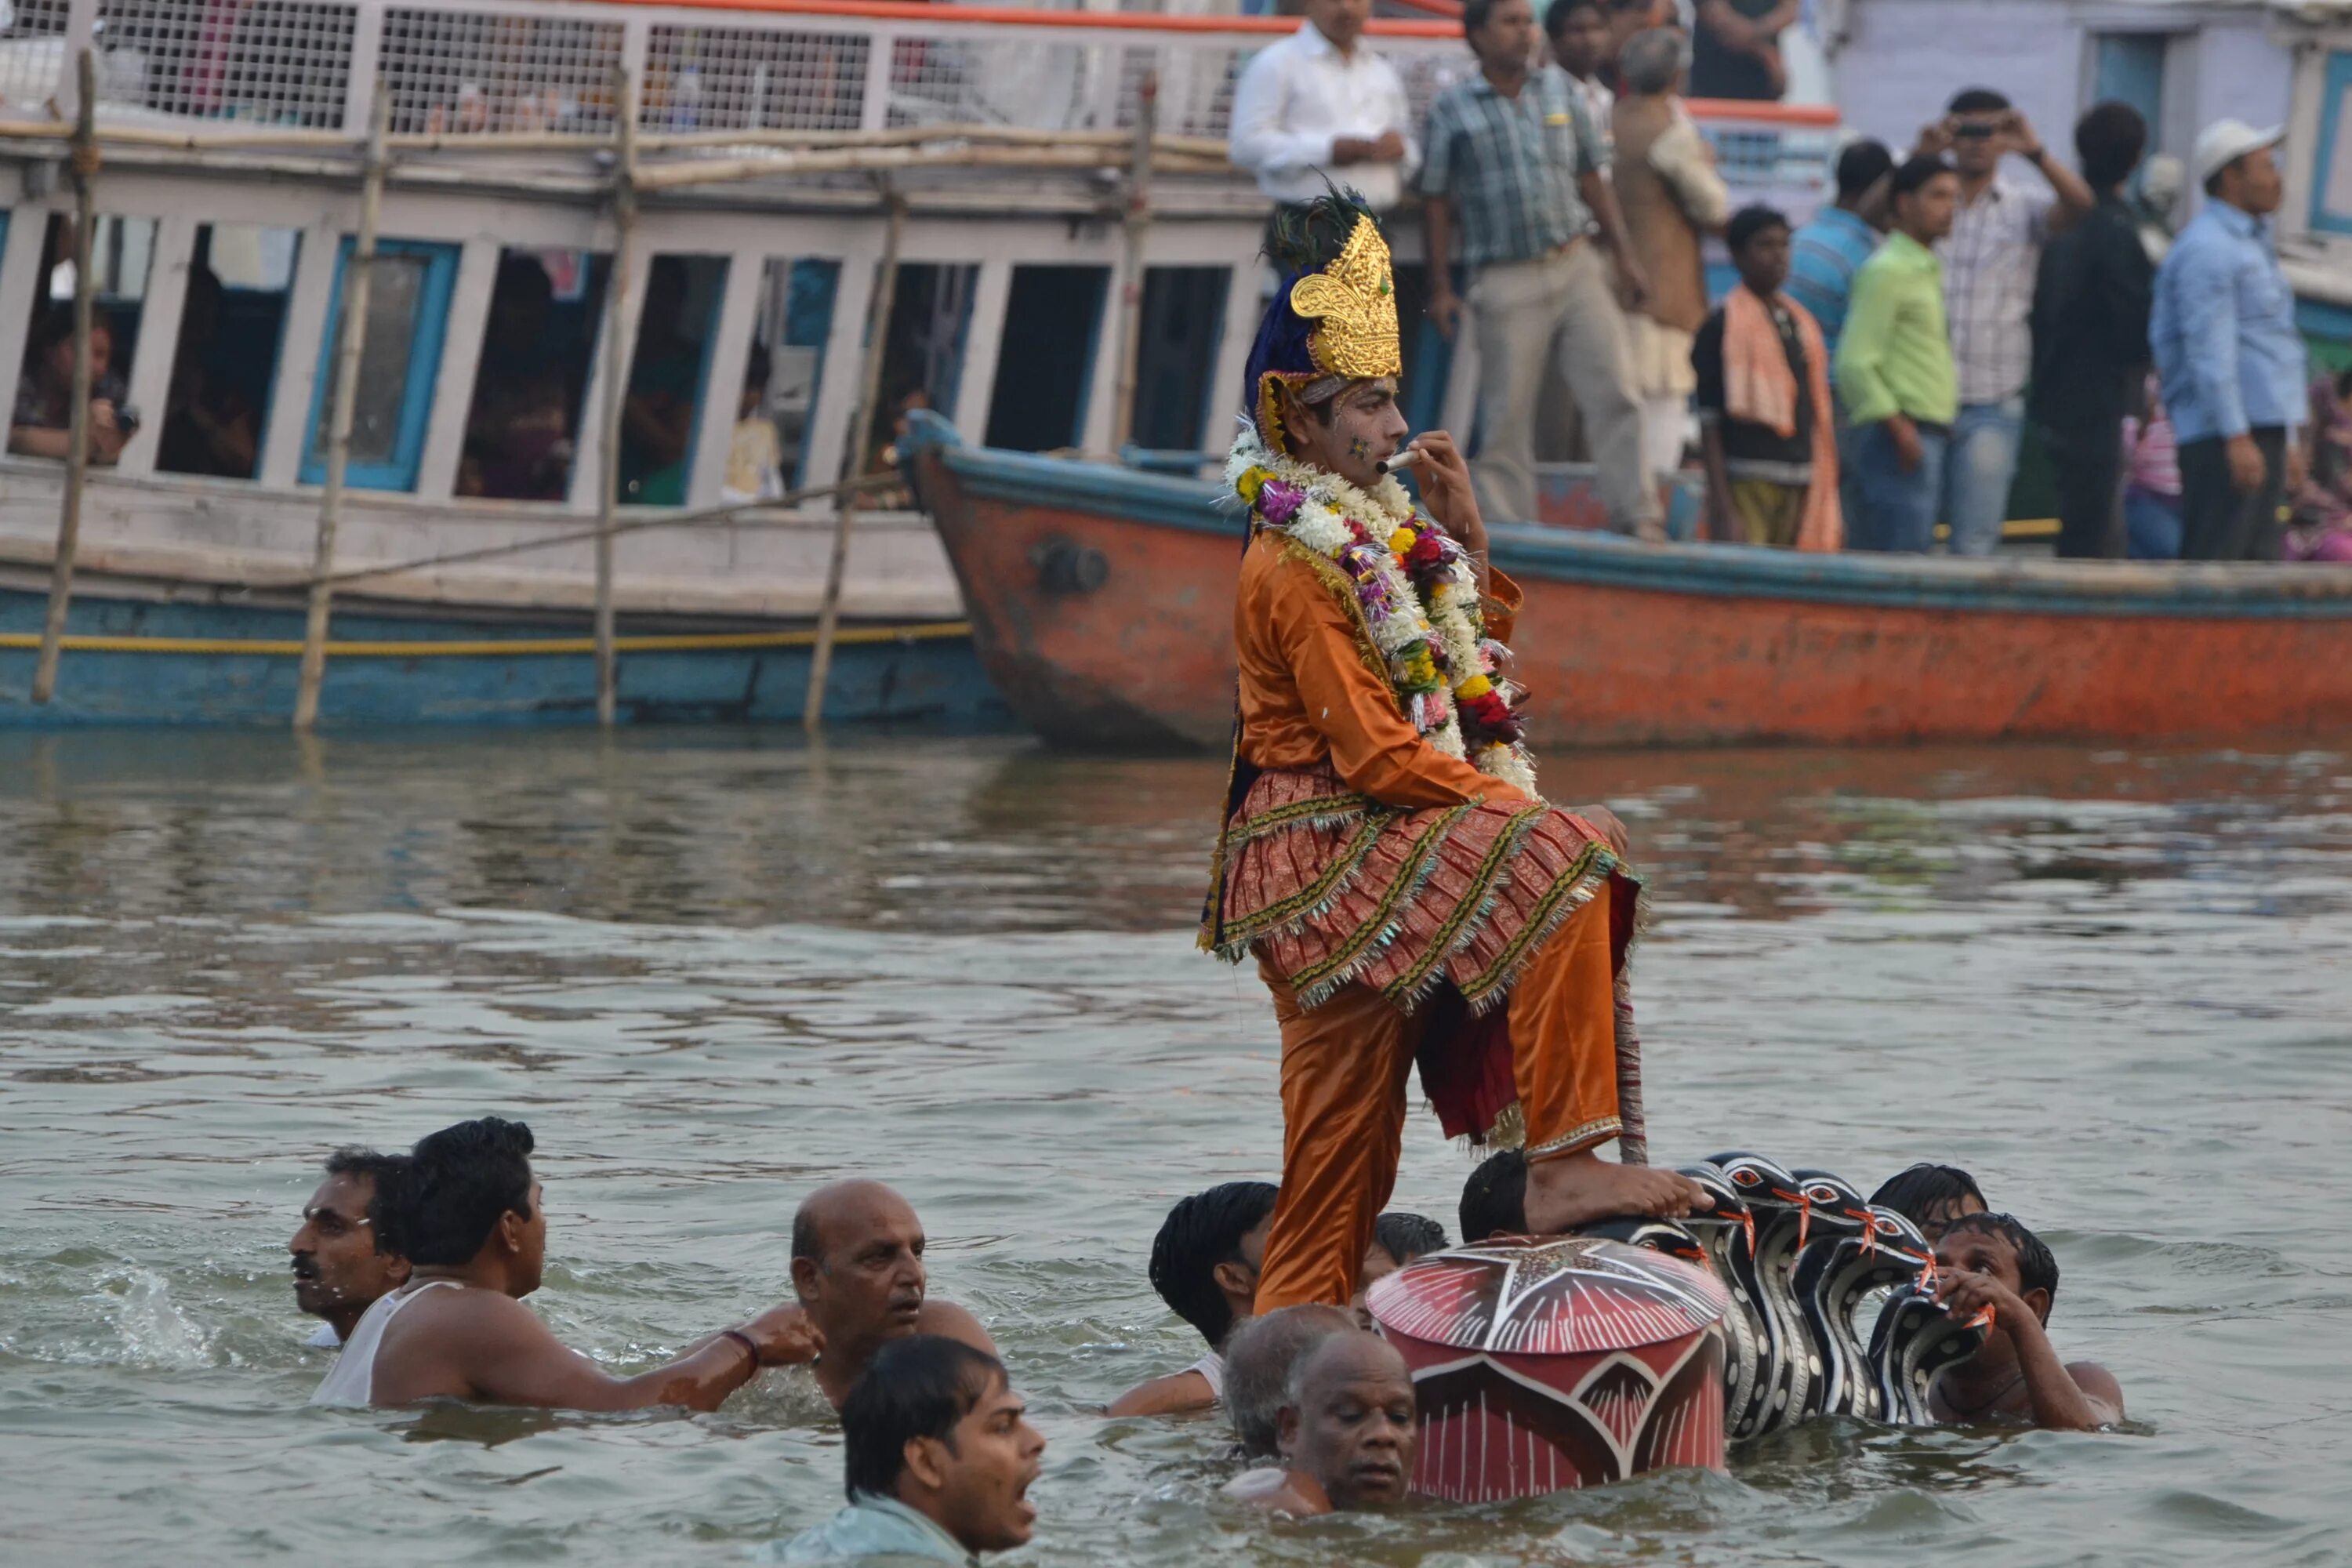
{"x":1764,"y":405}
{"x":1384,"y":854}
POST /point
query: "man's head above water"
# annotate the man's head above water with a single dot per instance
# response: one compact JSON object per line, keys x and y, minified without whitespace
{"x":1205,"y":1259}
{"x":1259,"y":1362}
{"x":935,"y":1425}
{"x":857,"y":1264}
{"x":1347,"y":1423}
{"x":1931,"y":1197}
{"x":470,"y":1207}
{"x":342,"y":1261}
{"x":858,"y":1272}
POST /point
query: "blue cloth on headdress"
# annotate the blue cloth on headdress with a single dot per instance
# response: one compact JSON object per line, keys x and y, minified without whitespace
{"x":1281,"y":349}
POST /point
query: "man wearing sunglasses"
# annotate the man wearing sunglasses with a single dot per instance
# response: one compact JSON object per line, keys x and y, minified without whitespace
{"x":1989,"y":262}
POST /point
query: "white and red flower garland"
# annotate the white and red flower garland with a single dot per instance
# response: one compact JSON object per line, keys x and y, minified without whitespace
{"x":1418,"y":594}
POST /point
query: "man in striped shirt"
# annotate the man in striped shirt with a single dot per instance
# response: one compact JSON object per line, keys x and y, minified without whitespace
{"x":1990,"y":263}
{"x":1513,"y":160}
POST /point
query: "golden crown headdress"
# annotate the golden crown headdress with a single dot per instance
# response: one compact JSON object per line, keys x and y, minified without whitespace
{"x":1354,"y":301}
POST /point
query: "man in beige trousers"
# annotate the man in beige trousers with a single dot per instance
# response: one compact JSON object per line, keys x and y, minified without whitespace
{"x":1514,"y":161}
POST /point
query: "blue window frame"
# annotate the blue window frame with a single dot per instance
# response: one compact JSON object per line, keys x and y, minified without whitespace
{"x":2331,"y":163}
{"x":399,"y":359}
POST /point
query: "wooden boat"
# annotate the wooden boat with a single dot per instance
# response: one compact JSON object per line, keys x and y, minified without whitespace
{"x":1101,"y":604}
{"x":770,"y":143}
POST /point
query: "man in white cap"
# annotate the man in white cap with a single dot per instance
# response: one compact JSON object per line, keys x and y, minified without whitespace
{"x":2232,"y":362}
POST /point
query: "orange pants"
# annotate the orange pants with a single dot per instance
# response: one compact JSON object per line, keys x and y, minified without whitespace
{"x":1344,"y":1068}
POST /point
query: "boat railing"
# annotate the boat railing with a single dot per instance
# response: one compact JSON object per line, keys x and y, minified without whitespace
{"x":506,"y":69}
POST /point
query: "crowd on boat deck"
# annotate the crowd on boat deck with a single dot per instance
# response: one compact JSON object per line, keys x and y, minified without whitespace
{"x":417,"y":1264}
{"x":1870,"y":381}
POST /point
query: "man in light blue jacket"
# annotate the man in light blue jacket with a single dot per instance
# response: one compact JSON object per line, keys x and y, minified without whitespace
{"x":939,"y":1459}
{"x":2233,"y":364}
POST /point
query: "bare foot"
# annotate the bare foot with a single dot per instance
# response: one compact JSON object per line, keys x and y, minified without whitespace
{"x":1576,"y":1189}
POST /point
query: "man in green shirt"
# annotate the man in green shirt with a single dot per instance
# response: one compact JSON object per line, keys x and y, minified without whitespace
{"x":1895,"y":372}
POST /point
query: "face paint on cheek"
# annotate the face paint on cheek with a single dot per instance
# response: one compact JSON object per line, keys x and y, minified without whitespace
{"x":1358,"y":450}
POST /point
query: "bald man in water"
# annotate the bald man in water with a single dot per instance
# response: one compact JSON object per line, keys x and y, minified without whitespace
{"x":857,"y":1268}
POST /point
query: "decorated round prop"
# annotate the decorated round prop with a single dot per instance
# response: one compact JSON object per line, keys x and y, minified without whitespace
{"x":1547,"y":1364}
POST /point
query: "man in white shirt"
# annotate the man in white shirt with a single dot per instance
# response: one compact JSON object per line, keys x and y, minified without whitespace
{"x":1319,"y":104}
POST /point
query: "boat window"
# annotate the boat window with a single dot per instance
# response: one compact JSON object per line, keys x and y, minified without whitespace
{"x":922,"y":355}
{"x":769,"y":454}
{"x":666,"y":375}
{"x":1044,"y":372}
{"x":524,"y":422}
{"x":1182,"y":323}
{"x":2331,"y":172}
{"x":400,"y":355}
{"x":121,"y":250}
{"x":232,"y":324}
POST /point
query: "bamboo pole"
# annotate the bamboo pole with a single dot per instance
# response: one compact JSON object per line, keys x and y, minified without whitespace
{"x":861,"y":433}
{"x":84,"y":165}
{"x":351,"y":337}
{"x":1138,"y":226}
{"x":616,"y":355}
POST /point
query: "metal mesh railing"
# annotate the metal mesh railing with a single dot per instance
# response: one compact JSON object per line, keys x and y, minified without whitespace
{"x":546,"y":66}
{"x":32,"y":53}
{"x":270,"y":62}
{"x":739,"y":79}
{"x":454,"y":72}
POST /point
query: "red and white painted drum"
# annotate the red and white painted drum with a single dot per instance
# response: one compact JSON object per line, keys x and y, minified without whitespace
{"x":1545,"y":1364}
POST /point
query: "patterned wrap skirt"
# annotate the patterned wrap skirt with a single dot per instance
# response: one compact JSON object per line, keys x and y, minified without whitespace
{"x":1437,"y":908}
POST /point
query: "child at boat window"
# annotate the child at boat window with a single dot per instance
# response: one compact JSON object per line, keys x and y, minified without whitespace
{"x":44,"y":412}
{"x":755,"y":457}
{"x":1989,"y":1260}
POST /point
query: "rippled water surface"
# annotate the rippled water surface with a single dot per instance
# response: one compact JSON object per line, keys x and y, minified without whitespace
{"x":713,"y":968}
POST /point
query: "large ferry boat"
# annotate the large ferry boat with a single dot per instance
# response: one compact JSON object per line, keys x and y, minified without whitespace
{"x":776,"y":186}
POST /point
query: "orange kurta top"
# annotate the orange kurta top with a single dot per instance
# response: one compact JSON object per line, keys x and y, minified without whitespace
{"x":1308,"y":698}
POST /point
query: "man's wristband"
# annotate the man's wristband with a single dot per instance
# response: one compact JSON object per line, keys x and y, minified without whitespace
{"x":741,"y":1338}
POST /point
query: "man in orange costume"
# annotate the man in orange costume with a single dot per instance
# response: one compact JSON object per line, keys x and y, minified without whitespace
{"x":1385,"y":857}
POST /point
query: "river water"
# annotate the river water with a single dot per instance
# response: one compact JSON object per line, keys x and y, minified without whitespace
{"x":714,"y":968}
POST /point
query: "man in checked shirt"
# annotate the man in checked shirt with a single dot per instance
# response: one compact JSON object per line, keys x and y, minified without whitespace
{"x":1990,"y":263}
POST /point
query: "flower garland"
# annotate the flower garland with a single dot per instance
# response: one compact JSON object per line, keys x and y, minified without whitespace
{"x":1418,"y":594}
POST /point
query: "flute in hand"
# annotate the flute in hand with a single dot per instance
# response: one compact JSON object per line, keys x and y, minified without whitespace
{"x":1407,"y":459}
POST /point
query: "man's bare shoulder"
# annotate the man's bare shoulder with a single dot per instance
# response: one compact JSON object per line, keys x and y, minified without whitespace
{"x":1173,"y":1395}
{"x":429,"y":1348}
{"x":2099,"y":1386}
{"x":954,"y":1322}
{"x":1278,"y":1489}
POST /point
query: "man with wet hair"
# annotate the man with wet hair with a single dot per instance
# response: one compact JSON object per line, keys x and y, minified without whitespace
{"x":1346,"y":1432}
{"x":1991,"y":1261}
{"x":1931,"y":1197}
{"x":1258,"y":1360}
{"x":1494,"y":1198}
{"x":858,"y":1272}
{"x":939,"y":1457}
{"x":470,"y":1216}
{"x":342,"y":1261}
{"x":1400,"y":1238}
{"x":1204,"y":1264}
